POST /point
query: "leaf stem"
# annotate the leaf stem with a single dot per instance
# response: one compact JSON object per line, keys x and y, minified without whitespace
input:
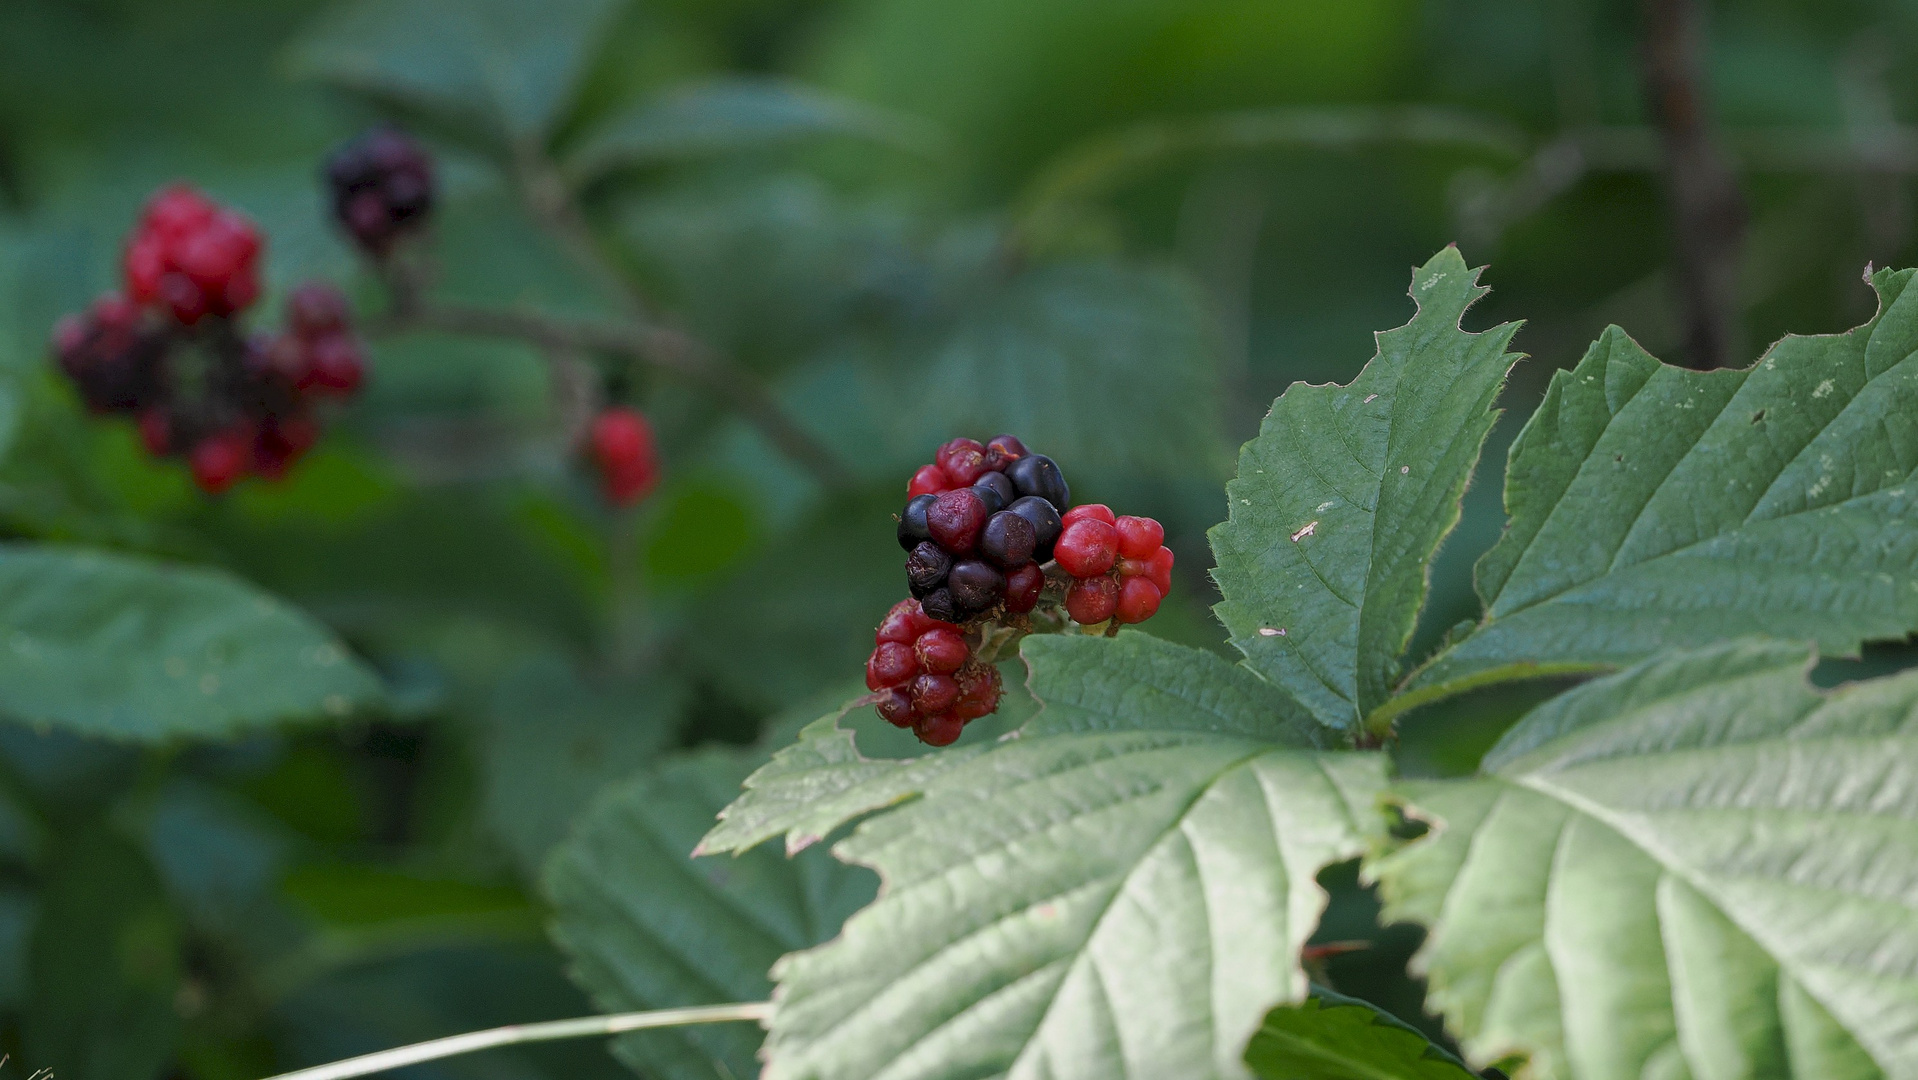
{"x":519,"y":1034}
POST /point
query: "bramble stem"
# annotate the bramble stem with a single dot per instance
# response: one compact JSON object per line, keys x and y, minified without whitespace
{"x":666,"y":349}
{"x":518,"y":1034}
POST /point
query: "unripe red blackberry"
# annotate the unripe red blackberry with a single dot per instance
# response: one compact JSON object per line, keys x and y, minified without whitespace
{"x":1138,"y":600}
{"x":929,"y":480}
{"x":934,"y":693}
{"x":979,"y":690}
{"x":315,"y":309}
{"x":280,"y":442}
{"x":191,"y":257}
{"x":622,"y":448}
{"x":941,"y":730}
{"x":905,"y":622}
{"x":962,"y":460}
{"x":1139,"y":537}
{"x":1092,"y":600}
{"x":1091,"y":511}
{"x":1088,"y":547}
{"x":954,"y":519}
{"x":220,"y":459}
{"x":382,"y":188}
{"x":334,"y":365}
{"x":941,"y":651}
{"x":895,"y":706}
{"x":892,"y":663}
{"x":1023,"y":587}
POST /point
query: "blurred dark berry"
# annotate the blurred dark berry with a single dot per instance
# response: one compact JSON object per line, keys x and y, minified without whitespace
{"x":381,"y":184}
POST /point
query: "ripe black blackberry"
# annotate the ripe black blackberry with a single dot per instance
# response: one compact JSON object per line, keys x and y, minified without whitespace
{"x":382,"y":187}
{"x":974,"y":519}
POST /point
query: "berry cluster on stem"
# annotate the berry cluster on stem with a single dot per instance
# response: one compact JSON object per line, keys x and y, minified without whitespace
{"x":169,"y":349}
{"x":995,"y":550}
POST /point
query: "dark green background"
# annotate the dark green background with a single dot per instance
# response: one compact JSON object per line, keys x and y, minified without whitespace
{"x":223,"y":911}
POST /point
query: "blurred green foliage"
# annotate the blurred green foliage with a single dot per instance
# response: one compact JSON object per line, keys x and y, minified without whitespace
{"x":1117,"y":228}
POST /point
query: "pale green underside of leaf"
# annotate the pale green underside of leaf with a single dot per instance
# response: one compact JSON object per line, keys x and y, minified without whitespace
{"x":1345,"y":495}
{"x":731,"y":115}
{"x":1329,"y":1036}
{"x":1653,"y":507}
{"x":508,"y":66}
{"x":1699,"y":867}
{"x":1119,"y":890}
{"x":134,"y":649}
{"x":648,"y":927}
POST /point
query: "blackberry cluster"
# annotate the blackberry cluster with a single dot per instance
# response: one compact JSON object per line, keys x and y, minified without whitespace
{"x":925,"y":677}
{"x":382,"y":187}
{"x":169,"y":351}
{"x":978,"y":525}
{"x":995,"y":550}
{"x":622,"y":448}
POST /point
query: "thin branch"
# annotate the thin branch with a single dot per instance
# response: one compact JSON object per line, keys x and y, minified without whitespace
{"x":520,"y":1034}
{"x":666,"y":349}
{"x":1707,"y":208}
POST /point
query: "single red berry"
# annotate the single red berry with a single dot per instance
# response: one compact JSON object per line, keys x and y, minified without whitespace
{"x":187,"y":301}
{"x":895,"y":705}
{"x":954,"y":519}
{"x":281,"y":441}
{"x":979,"y":688}
{"x":940,"y":730}
{"x":220,"y":459}
{"x":175,"y":211}
{"x":934,"y":693}
{"x":1161,"y":563}
{"x":891,"y":664}
{"x":1023,"y":587}
{"x":941,"y":651}
{"x":929,"y":480}
{"x":1139,"y":537}
{"x":1138,"y":600}
{"x":901,"y":624}
{"x":622,"y":445}
{"x":966,"y":466}
{"x":1095,"y":511}
{"x":1092,"y":600}
{"x":334,"y":364}
{"x":144,"y":266}
{"x":1087,"y":548}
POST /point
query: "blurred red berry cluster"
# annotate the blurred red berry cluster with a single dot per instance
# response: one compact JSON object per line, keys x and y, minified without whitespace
{"x":169,"y":350}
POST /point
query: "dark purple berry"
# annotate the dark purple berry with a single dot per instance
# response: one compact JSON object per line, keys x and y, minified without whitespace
{"x":954,"y":519}
{"x":938,"y":604}
{"x":912,"y":523}
{"x":1007,"y":540}
{"x":382,"y":187}
{"x":926,"y":567}
{"x":1046,"y":525}
{"x":1035,"y":474}
{"x":996,"y":490}
{"x":975,"y":585}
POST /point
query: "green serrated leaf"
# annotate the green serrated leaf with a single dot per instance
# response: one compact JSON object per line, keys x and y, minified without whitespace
{"x":1341,"y":501}
{"x":1330,"y":1036}
{"x":731,"y":115}
{"x":508,"y":67}
{"x":1655,"y":507}
{"x":1098,"y":896}
{"x":1700,"y":866}
{"x":134,"y":649}
{"x":649,"y":927}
